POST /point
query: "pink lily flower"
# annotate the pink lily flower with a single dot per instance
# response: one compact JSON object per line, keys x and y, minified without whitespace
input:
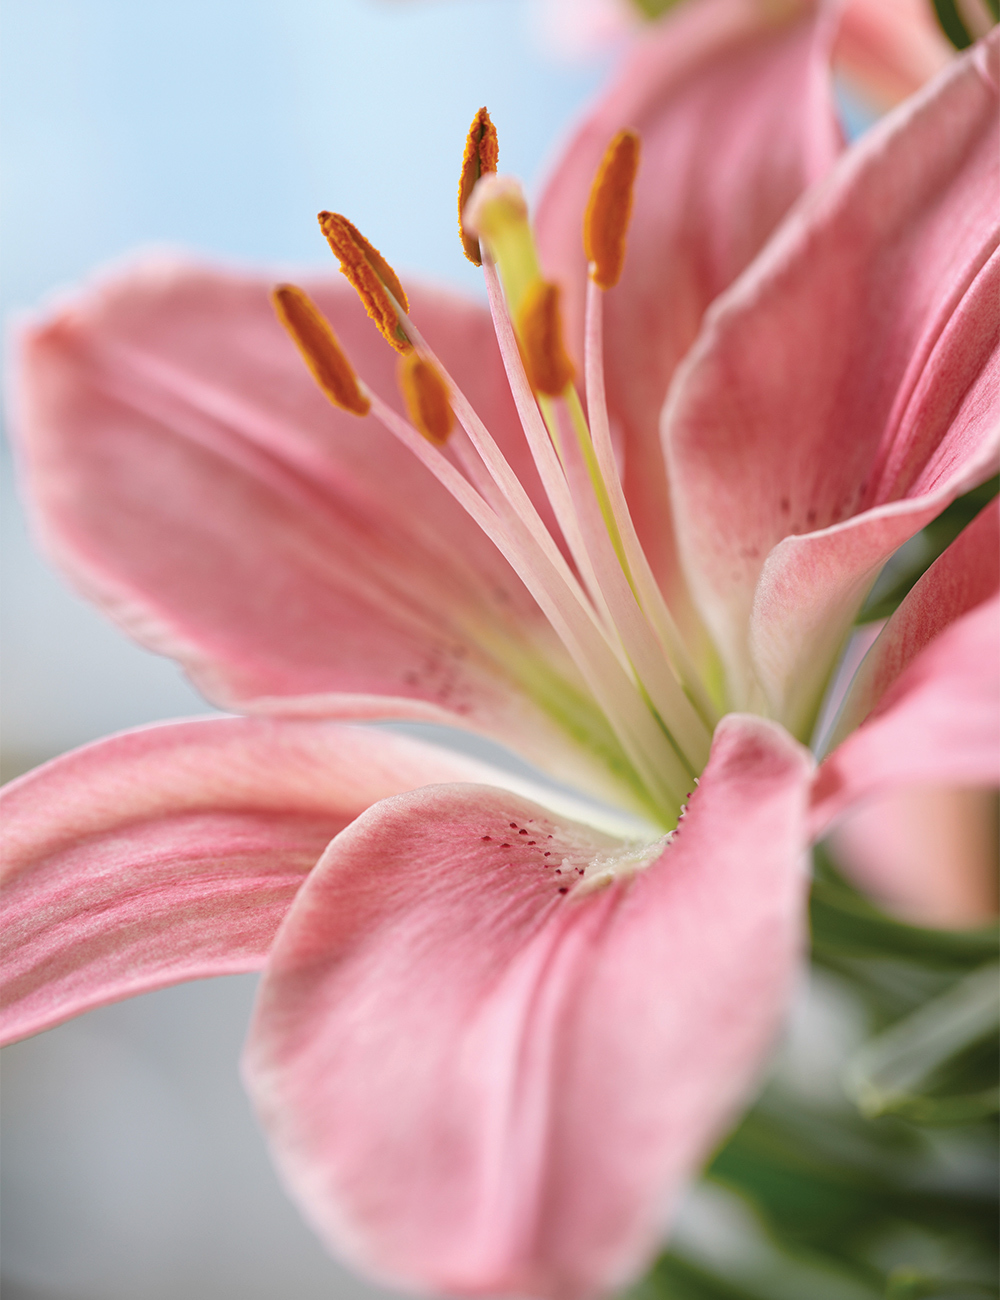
{"x":498,"y":1029}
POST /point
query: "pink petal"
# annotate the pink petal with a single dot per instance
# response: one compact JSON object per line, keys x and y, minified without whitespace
{"x":578,"y":29}
{"x":192,"y":479}
{"x":939,"y":724}
{"x":964,"y":576}
{"x":477,"y":1081}
{"x":887,"y":49}
{"x":173,"y":852}
{"x":736,"y":119}
{"x":926,"y":853}
{"x":841,"y":393}
{"x":924,"y":850}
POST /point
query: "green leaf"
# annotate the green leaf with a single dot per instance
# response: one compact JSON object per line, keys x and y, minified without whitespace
{"x":835,"y":1187}
{"x":939,"y":1064}
{"x":846,"y":925}
{"x":653,"y":9}
{"x":674,"y":1278}
{"x":951,"y":23}
{"x":912,"y":1284}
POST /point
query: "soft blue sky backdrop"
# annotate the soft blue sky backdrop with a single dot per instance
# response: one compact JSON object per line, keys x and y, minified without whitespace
{"x":226,"y":125}
{"x":223,"y":126}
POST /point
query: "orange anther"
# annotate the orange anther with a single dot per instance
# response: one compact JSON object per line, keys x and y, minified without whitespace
{"x":481,"y":153}
{"x":539,"y":327}
{"x":370,"y":274}
{"x":312,"y":335}
{"x":426,"y":396}
{"x":609,"y":209}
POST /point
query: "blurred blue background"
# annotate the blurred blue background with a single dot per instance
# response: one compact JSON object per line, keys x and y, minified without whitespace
{"x":132,"y":1169}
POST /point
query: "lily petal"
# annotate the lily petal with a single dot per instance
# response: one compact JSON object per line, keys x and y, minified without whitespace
{"x":937,"y":725}
{"x":478,"y":1078}
{"x":173,"y":852}
{"x":840,"y":394}
{"x":888,"y":49}
{"x":964,"y":576}
{"x":926,"y":853}
{"x":164,"y":410}
{"x":929,"y":688}
{"x":732,"y":101}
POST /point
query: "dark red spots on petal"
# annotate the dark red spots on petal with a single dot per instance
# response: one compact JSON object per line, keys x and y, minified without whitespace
{"x":486,"y":838}
{"x":564,"y":889}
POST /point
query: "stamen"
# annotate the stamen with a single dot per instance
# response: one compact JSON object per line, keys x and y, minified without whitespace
{"x":482,"y":151}
{"x":539,"y":325}
{"x":661,"y":689}
{"x":610,"y":208}
{"x":653,"y":756}
{"x":641,"y":576}
{"x":547,"y":462}
{"x":653,"y":759}
{"x":370,"y":274}
{"x":509,"y":486}
{"x":602,"y":628}
{"x":312,"y":335}
{"x":426,"y":396}
{"x":683,"y":725}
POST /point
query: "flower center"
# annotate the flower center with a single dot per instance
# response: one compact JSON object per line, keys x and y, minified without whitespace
{"x":603,"y":601}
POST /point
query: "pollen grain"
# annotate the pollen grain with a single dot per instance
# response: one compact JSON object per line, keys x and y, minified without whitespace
{"x":609,"y":209}
{"x":426,"y":396}
{"x":539,"y":327}
{"x":370,"y":274}
{"x":312,"y":335}
{"x":482,"y":151}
